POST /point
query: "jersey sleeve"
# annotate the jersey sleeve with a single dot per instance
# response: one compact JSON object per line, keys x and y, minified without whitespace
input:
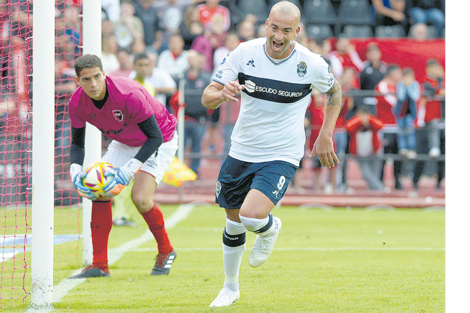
{"x":323,"y":79}
{"x":228,"y":69}
{"x":75,"y":119}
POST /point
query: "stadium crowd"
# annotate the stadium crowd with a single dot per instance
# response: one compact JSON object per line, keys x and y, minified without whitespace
{"x":388,"y":113}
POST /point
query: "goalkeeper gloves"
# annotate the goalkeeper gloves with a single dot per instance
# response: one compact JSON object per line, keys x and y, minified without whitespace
{"x":77,"y":176}
{"x":122,"y":176}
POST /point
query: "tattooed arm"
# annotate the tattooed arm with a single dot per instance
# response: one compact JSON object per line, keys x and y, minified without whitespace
{"x":324,"y":145}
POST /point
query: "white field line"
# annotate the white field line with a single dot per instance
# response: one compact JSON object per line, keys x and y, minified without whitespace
{"x":315,"y":249}
{"x":114,"y":255}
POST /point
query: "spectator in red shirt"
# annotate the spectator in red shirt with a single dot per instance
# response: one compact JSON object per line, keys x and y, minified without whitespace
{"x":386,"y":98}
{"x":344,"y":56}
{"x":365,"y":142}
{"x":210,"y":10}
{"x":433,"y":91}
{"x":386,"y":102}
{"x":430,"y":114}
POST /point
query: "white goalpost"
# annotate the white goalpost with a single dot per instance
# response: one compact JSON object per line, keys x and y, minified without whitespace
{"x":91,"y":19}
{"x":42,"y":248}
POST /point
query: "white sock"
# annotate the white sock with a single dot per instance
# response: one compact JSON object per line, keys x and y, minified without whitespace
{"x":260,"y":226}
{"x":233,"y":247}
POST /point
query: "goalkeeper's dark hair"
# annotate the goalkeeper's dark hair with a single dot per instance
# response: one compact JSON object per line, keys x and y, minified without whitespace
{"x":87,"y":61}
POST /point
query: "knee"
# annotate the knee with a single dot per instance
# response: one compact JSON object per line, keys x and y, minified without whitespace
{"x":141,"y":202}
{"x":253,"y":223}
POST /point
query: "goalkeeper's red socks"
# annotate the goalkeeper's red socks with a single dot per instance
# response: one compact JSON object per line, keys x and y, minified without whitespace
{"x":101,"y":223}
{"x":154,"y":218}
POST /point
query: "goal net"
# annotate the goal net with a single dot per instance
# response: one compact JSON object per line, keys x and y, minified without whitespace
{"x":16,"y":20}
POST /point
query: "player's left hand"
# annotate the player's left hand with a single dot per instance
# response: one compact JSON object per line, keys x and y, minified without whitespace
{"x":326,"y":153}
{"x":77,"y":176}
{"x":122,"y":176}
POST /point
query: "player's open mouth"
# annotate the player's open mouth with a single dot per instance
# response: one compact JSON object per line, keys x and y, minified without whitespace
{"x":277,"y":46}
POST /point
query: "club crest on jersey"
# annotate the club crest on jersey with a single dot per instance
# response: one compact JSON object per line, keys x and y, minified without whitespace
{"x":118,"y":115}
{"x":302,"y":69}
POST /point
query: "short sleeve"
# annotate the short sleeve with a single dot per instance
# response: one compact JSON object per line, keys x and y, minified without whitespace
{"x":75,"y":119}
{"x":323,"y":79}
{"x":138,"y":106}
{"x":228,"y":69}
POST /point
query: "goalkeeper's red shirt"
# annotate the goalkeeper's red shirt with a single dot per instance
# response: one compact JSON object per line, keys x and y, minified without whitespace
{"x":128,"y":104}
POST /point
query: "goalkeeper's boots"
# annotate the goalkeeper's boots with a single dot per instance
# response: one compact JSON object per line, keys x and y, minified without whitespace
{"x":91,"y":271}
{"x":163,"y":263}
{"x":226,"y":297}
{"x":122,"y":221}
{"x":264,"y":245}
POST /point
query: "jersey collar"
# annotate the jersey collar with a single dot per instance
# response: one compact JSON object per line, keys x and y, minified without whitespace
{"x":283,"y":61}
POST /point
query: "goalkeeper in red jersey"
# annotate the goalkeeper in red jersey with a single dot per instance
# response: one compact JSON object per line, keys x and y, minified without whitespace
{"x":144,"y":142}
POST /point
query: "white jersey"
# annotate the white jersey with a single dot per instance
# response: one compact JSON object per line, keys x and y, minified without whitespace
{"x":270,"y":125}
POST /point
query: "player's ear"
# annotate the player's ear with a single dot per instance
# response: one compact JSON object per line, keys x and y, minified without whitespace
{"x":297,"y":31}
{"x":77,"y":80}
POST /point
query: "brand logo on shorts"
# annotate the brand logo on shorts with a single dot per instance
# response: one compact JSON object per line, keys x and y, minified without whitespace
{"x":151,"y":163}
{"x":118,"y":115}
{"x":280,"y":184}
{"x":218,"y":187}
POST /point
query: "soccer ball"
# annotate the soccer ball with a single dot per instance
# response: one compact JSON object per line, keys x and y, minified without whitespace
{"x":97,"y":180}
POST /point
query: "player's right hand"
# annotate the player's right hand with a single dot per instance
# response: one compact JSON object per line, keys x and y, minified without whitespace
{"x":77,"y":176}
{"x":120,"y":180}
{"x":231,"y":89}
{"x":122,"y":176}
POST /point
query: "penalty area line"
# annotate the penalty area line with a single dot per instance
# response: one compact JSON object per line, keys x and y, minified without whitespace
{"x":114,"y":255}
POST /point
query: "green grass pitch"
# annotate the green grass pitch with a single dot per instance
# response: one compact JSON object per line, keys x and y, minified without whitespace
{"x":335,"y":260}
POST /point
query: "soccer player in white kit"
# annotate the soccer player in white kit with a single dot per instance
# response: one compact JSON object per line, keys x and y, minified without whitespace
{"x":275,"y":76}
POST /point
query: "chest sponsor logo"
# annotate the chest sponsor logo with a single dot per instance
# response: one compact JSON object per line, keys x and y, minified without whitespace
{"x":91,"y":116}
{"x":252,"y":87}
{"x":268,"y":89}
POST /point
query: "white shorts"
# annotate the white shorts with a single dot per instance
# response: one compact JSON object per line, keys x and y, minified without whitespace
{"x":118,"y":154}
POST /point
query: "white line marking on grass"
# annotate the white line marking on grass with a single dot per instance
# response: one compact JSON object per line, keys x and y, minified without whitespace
{"x":316,"y":249}
{"x":115,"y":254}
